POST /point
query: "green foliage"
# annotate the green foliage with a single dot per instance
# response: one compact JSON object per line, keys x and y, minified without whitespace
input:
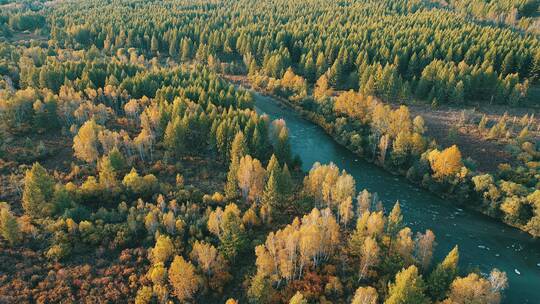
{"x":407,"y":289}
{"x":9,"y":228}
{"x":440,"y":279}
{"x":233,"y":238}
{"x":38,"y":192}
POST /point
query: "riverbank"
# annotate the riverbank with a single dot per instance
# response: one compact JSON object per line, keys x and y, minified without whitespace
{"x":484,"y":243}
{"x":465,"y":199}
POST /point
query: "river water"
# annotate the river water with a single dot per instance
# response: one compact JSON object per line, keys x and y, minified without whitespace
{"x":483,"y":242}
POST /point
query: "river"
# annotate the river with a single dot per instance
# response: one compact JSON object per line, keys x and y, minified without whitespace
{"x":483,"y":242}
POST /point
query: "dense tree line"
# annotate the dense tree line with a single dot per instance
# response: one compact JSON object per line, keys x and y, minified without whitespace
{"x":359,"y":49}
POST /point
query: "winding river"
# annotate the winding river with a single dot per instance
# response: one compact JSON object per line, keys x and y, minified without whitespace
{"x":483,"y":242}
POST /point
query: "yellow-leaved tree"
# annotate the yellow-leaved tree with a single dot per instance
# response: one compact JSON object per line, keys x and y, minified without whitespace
{"x":183,"y":279}
{"x":445,"y":163}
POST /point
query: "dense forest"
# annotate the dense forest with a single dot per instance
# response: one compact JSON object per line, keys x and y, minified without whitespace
{"x":133,"y":170}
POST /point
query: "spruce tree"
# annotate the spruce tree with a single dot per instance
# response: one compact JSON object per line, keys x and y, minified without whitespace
{"x":9,"y":228}
{"x":440,"y":279}
{"x":407,"y":289}
{"x":271,"y":197}
{"x":238,"y":149}
{"x":38,"y":191}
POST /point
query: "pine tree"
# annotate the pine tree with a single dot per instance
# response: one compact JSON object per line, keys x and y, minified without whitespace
{"x":440,"y":279}
{"x":260,"y":291}
{"x":273,"y":166}
{"x":185,"y":50}
{"x":38,"y":191}
{"x":457,"y":93}
{"x":508,"y":64}
{"x":285,"y":182}
{"x":407,"y":289}
{"x":238,"y":150}
{"x":154,"y":45}
{"x":270,"y":198}
{"x":232,"y":237}
{"x":283,"y":148}
{"x":117,"y":159}
{"x":9,"y":228}
{"x":395,"y":220}
{"x":107,"y":174}
{"x":321,"y":64}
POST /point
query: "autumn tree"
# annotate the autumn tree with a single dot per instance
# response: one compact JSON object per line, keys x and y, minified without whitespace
{"x":157,"y":273}
{"x":251,"y":176}
{"x":345,"y":211}
{"x":250,"y":218}
{"x":298,"y":298}
{"x":404,"y":245}
{"x":163,"y":250}
{"x":206,"y":256}
{"x":408,"y":288}
{"x":183,"y":279}
{"x":85,"y":143}
{"x":370,"y":256}
{"x":304,"y":243}
{"x":140,"y":185}
{"x":445,"y":163}
{"x":473,"y":289}
{"x":425,"y":244}
{"x":144,"y":295}
{"x":322,"y":89}
{"x":365,"y":295}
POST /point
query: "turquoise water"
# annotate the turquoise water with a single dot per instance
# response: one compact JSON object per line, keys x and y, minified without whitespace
{"x":483,"y":242}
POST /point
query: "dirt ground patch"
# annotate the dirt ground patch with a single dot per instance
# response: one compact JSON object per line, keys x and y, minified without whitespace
{"x":460,"y":126}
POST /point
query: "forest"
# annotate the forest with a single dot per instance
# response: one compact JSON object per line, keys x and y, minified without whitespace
{"x":135,"y":167}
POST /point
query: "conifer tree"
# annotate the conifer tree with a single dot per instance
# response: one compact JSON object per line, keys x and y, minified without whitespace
{"x":9,"y":227}
{"x":238,"y":150}
{"x":38,"y":191}
{"x":444,"y":274}
{"x":407,"y":289}
{"x":232,"y":237}
{"x":270,"y":198}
